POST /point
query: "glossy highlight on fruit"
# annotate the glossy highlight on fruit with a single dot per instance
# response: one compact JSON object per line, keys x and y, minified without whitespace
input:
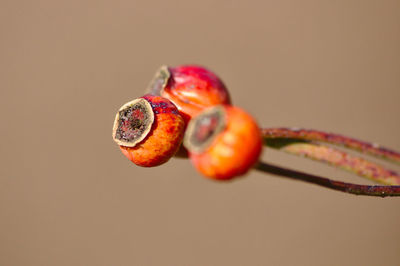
{"x":149,"y":130}
{"x":223,"y":142}
{"x":191,"y":88}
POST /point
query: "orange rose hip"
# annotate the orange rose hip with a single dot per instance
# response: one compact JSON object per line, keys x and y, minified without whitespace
{"x":191,"y":88}
{"x":223,"y":142}
{"x":149,"y":130}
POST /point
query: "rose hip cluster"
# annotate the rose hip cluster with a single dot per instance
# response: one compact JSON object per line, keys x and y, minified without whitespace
{"x":190,"y":105}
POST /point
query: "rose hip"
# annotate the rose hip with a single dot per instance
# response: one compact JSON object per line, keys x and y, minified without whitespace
{"x":223,"y":142}
{"x":191,"y":88}
{"x":149,"y":130}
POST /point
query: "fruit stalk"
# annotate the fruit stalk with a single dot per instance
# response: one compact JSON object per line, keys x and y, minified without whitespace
{"x":336,"y":139}
{"x":377,"y":191}
{"x":337,"y":158}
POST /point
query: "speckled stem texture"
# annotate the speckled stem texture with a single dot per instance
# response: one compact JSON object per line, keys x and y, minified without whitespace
{"x":315,"y":135}
{"x":334,"y":157}
{"x":379,"y":191}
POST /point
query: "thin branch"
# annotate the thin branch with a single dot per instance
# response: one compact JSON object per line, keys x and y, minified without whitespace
{"x":351,"y":143}
{"x":335,"y":157}
{"x":379,"y":191}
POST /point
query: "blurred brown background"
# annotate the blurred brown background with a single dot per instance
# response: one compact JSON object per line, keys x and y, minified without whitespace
{"x":69,"y":197}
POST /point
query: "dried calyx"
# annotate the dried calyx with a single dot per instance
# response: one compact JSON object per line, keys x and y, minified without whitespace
{"x":204,"y":128}
{"x":133,"y":122}
{"x":159,"y":81}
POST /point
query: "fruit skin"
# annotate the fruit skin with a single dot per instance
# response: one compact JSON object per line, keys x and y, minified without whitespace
{"x":164,"y":138}
{"x":191,"y":88}
{"x":234,"y":150}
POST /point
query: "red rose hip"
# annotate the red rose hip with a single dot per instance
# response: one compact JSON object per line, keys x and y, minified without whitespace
{"x":149,"y":130}
{"x":191,"y":88}
{"x":223,"y":142}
